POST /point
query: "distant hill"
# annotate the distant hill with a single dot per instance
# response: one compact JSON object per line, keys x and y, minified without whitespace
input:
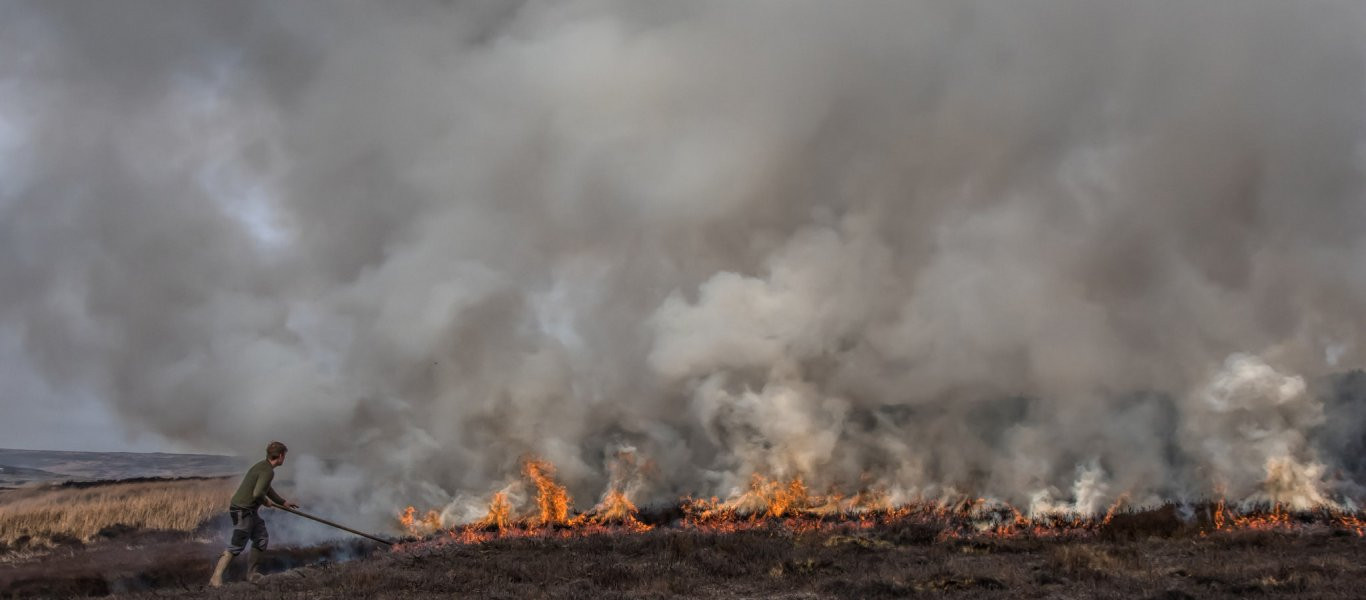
{"x":15,"y":476}
{"x":19,"y":467}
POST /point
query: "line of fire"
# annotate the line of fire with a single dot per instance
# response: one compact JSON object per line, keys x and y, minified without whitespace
{"x":789,"y":505}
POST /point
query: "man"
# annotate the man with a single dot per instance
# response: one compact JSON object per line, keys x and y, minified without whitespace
{"x":254,"y":492}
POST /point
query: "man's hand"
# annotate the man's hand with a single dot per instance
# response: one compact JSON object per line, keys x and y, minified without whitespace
{"x":289,"y":504}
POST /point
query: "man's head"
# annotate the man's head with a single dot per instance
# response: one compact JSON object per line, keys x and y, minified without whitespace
{"x":275,"y":453}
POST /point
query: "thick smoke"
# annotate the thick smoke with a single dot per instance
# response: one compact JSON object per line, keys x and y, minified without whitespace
{"x":1052,"y":252}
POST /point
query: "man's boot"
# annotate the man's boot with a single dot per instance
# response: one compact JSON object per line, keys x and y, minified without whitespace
{"x":252,"y":560}
{"x":217,"y":579}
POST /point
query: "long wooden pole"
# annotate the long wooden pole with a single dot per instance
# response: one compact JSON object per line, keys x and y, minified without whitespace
{"x":326,"y":522}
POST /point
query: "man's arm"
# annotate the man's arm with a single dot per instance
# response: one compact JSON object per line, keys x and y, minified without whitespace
{"x":262,"y":489}
{"x":274,"y":498}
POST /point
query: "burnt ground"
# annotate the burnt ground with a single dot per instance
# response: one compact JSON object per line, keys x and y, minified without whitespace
{"x":892,"y":562}
{"x":158,"y":562}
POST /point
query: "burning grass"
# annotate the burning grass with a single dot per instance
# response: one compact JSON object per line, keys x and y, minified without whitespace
{"x":791,"y":506}
{"x":777,"y":538}
{"x":773,"y":540}
{"x":63,"y":515}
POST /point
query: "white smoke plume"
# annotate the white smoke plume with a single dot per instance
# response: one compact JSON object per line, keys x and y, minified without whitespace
{"x":1248,"y":427}
{"x":1040,"y":250}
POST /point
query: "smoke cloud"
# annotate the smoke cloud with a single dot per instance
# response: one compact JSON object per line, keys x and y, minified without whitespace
{"x":1051,"y":252}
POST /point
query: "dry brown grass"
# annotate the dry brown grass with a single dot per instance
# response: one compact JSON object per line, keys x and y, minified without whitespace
{"x":48,"y":515}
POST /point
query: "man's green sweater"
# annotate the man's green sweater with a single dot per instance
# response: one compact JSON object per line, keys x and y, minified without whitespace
{"x":256,"y":488}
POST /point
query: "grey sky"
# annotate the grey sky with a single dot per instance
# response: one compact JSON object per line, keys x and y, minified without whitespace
{"x":36,"y":417}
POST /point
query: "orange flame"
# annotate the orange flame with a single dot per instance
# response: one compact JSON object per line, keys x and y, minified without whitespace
{"x":617,"y":508}
{"x":499,"y":511}
{"x":790,"y":505}
{"x":1110,"y":513}
{"x":551,"y":498}
{"x":1353,"y":523}
{"x":428,"y":523}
